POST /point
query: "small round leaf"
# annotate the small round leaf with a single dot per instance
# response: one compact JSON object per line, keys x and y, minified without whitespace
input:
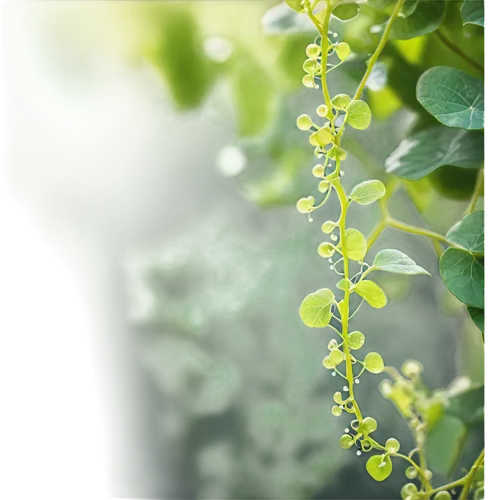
{"x":379,"y":467}
{"x":374,"y":363}
{"x":359,"y":115}
{"x":315,"y":308}
{"x":355,"y":340}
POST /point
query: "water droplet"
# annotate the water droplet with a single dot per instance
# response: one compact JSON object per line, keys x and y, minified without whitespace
{"x":330,"y":261}
{"x":310,"y":219}
{"x":345,"y":388}
{"x":356,"y":381}
{"x":335,"y":35}
{"x":334,"y":374}
{"x":346,"y":430}
{"x":341,"y":173}
{"x":332,"y":268}
{"x":334,"y":237}
{"x":382,"y":464}
{"x":358,"y":453}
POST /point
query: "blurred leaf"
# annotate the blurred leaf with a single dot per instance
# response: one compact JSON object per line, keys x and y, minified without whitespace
{"x":346,"y":12}
{"x":384,"y":103}
{"x":472,"y":359}
{"x":453,"y":182}
{"x":291,"y":58}
{"x":425,"y":151}
{"x":280,"y":19}
{"x":402,"y":77}
{"x":177,"y":361}
{"x":378,"y":77}
{"x":473,"y":12}
{"x":215,"y":394}
{"x":444,"y":444}
{"x":452,"y":97}
{"x":477,"y":316}
{"x":425,"y":16}
{"x":469,"y":232}
{"x":394,"y":261}
{"x":254,"y":95}
{"x":463,"y":275}
{"x":380,"y":4}
{"x":468,"y":406}
{"x":295,"y":5}
{"x":179,"y":57}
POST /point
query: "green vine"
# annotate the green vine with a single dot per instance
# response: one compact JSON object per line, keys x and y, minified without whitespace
{"x":346,"y":251}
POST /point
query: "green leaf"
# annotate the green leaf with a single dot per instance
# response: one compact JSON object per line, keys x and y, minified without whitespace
{"x":380,"y":4}
{"x":254,"y":97}
{"x":473,"y":12}
{"x":343,"y":285}
{"x":420,"y":19}
{"x":372,"y":293}
{"x":315,"y":308}
{"x":346,"y":12}
{"x":429,"y":149}
{"x":341,"y":101}
{"x":280,"y":20}
{"x":463,"y":275}
{"x":469,"y":232}
{"x":355,"y":244}
{"x":178,"y":56}
{"x":444,"y":444}
{"x":379,"y":469}
{"x":374,"y":363}
{"x":468,"y":406}
{"x":367,"y":192}
{"x":359,"y":115}
{"x":295,"y":5}
{"x":394,"y":261}
{"x":453,"y":97}
{"x":477,"y":316}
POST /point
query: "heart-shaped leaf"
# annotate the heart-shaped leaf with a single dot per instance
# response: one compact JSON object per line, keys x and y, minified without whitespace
{"x":453,"y":97}
{"x":463,"y":275}
{"x":315,"y":308}
{"x":355,"y":244}
{"x":469,"y":232}
{"x":473,"y":12}
{"x":477,"y":316}
{"x":379,"y":467}
{"x":419,"y":18}
{"x":429,"y":149}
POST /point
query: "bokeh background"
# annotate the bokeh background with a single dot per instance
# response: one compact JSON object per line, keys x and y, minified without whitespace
{"x":156,"y":262}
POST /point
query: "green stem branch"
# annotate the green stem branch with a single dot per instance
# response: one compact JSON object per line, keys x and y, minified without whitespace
{"x":381,"y":44}
{"x":457,"y":50}
{"x":477,"y":192}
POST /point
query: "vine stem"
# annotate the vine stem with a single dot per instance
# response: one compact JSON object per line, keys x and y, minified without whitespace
{"x":477,"y":192}
{"x":465,"y":481}
{"x":380,"y":47}
{"x":457,"y":50}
